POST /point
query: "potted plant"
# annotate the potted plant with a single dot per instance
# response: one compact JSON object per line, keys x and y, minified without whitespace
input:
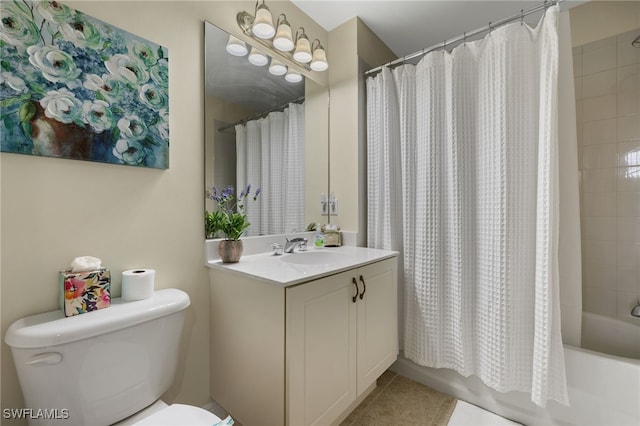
{"x":229,"y":219}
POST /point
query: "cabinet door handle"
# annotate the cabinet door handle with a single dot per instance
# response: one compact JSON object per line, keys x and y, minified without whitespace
{"x":364,"y":287}
{"x":355,"y":296}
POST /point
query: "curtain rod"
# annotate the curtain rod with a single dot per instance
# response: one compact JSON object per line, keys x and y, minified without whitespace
{"x":490,"y":27}
{"x":261,"y":114}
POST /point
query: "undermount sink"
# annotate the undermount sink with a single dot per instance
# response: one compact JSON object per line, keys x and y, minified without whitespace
{"x":313,"y":257}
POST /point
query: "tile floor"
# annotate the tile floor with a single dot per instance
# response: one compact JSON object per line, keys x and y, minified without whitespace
{"x":398,"y":400}
{"x":401,"y":401}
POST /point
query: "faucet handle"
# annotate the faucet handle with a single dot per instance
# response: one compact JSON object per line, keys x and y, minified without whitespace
{"x":277,"y":249}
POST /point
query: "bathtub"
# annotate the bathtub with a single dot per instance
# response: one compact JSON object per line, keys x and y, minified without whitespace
{"x":603,"y":389}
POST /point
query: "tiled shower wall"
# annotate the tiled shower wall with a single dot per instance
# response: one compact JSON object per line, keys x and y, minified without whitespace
{"x":607,"y":81}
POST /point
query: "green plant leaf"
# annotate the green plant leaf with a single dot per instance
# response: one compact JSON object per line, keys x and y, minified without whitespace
{"x":26,"y":112}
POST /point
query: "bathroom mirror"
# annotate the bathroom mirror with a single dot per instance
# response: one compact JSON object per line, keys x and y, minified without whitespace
{"x":246,"y":108}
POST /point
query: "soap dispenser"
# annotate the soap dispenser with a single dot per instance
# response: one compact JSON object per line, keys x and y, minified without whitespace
{"x":319,"y":238}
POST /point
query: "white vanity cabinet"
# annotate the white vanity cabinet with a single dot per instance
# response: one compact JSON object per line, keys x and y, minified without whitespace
{"x":301,"y":354}
{"x":341,"y":336}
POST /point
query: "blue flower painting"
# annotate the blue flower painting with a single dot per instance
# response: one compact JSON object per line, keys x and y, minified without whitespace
{"x":75,"y":87}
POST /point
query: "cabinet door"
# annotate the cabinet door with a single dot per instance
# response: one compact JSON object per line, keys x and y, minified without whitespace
{"x":377,"y":320}
{"x":321,"y":350}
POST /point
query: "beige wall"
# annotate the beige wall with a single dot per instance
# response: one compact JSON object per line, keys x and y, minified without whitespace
{"x":53,"y":210}
{"x":352,"y":45}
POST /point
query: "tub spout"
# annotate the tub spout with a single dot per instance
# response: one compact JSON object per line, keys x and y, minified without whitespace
{"x":636,"y":310}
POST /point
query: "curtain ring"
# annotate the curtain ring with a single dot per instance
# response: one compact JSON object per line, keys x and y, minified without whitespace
{"x":490,"y":28}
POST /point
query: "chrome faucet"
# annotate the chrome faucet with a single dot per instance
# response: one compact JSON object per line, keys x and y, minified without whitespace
{"x":291,"y":244}
{"x":636,"y":310}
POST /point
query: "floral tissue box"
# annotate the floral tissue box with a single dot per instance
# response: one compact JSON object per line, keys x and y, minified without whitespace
{"x":86,"y":291}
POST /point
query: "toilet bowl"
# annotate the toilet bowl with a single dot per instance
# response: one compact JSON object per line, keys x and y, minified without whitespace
{"x":161,"y":414}
{"x":107,"y":366}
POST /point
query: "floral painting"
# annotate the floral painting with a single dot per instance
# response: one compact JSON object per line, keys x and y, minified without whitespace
{"x":73,"y":86}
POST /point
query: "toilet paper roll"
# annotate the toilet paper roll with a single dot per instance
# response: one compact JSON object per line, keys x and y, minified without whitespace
{"x":137,"y":284}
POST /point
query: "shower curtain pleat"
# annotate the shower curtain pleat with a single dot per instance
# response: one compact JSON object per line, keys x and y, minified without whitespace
{"x":462,"y":152}
{"x":270,"y":156}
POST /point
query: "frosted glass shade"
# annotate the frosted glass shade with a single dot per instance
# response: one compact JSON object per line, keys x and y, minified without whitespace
{"x":236,"y":47}
{"x":258,"y":58}
{"x":303,"y":50}
{"x":277,"y":67}
{"x":263,"y":23}
{"x":283,"y":40}
{"x":293,"y":77}
{"x":319,"y":61}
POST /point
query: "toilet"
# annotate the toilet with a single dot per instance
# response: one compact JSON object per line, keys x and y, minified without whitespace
{"x":104,"y":367}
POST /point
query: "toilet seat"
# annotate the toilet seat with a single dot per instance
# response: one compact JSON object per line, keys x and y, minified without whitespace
{"x":180,"y":415}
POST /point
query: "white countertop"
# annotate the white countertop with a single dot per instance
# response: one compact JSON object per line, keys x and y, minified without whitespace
{"x":276,"y":270}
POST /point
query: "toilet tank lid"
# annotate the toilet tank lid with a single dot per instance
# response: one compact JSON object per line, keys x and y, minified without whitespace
{"x":53,"y":328}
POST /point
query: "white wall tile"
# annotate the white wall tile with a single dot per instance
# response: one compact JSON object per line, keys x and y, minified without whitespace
{"x":599,"y":180}
{"x":628,"y":153}
{"x":628,"y":255}
{"x":628,"y":79}
{"x":625,"y":303}
{"x":629,"y":127}
{"x":628,"y":204}
{"x":600,"y":84}
{"x":628,"y":229}
{"x":600,"y":301}
{"x":627,"y":54}
{"x":629,"y":102}
{"x":601,"y":131}
{"x":608,"y":110}
{"x":600,"y":252}
{"x":609,"y":42}
{"x":628,"y":179}
{"x":599,"y":228}
{"x":600,"y":276}
{"x":599,"y":204}
{"x":599,"y":156}
{"x":599,"y":60}
{"x":628,"y":279}
{"x":600,"y":108}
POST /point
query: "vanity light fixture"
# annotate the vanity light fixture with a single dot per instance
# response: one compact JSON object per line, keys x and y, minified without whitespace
{"x":263,"y":23}
{"x":302,"y":53}
{"x":319,"y":60}
{"x":281,"y":42}
{"x":236,"y":47}
{"x":277,"y":67}
{"x":258,"y":58}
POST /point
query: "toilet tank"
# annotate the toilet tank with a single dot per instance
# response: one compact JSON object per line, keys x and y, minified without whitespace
{"x":100,"y":367}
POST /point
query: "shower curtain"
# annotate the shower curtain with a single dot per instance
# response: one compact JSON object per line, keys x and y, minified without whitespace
{"x":463,"y":180}
{"x":270,"y":155}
